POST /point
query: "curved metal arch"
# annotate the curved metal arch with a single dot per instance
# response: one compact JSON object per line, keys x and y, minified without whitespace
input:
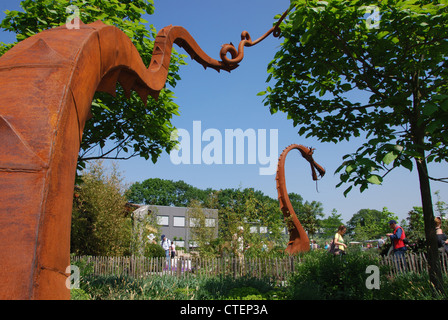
{"x":298,"y":239}
{"x":47,"y":83}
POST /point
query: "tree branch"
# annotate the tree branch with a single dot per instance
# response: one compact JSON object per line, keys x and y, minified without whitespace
{"x":444,"y":180}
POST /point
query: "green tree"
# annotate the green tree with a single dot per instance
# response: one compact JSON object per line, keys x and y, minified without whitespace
{"x":121,"y":128}
{"x":338,"y":76}
{"x":249,"y":208}
{"x":155,"y":191}
{"x":441,"y":206}
{"x":368,"y":224}
{"x":309,"y":216}
{"x":296,"y":201}
{"x":201,"y":232}
{"x":330,"y":225}
{"x":415,"y":230}
{"x":264,"y":215}
{"x":101,"y":225}
{"x":308,"y":213}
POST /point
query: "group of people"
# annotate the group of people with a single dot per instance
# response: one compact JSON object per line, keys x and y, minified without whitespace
{"x":397,"y":237}
{"x":170,"y":249}
{"x":338,"y":246}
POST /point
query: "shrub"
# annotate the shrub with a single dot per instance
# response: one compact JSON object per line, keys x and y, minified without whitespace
{"x":78,"y":294}
{"x":153,"y":250}
{"x":149,"y":288}
{"x":412,"y":286}
{"x":227,"y":287}
{"x":324,"y":276}
{"x":243,"y":293}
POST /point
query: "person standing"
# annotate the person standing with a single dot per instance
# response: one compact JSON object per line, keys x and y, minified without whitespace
{"x":166,"y":245}
{"x":397,"y":239}
{"x":173,"y":250}
{"x":339,"y":240}
{"x":441,"y":236}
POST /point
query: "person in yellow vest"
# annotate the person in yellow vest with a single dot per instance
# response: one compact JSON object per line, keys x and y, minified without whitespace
{"x":339,"y":240}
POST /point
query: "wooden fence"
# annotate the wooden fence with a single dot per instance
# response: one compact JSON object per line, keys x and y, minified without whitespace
{"x":416,"y":263}
{"x":274,"y":268}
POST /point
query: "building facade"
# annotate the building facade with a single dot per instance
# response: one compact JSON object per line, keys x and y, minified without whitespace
{"x":176,"y":222}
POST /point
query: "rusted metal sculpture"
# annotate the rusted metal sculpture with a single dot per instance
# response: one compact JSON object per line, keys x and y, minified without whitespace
{"x":298,"y":239}
{"x":47,"y":83}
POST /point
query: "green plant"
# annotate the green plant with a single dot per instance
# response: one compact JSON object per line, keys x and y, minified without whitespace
{"x":324,"y":276}
{"x":153,"y":250}
{"x":78,"y":294}
{"x":244,"y":292}
{"x":412,"y":286}
{"x":227,"y":287}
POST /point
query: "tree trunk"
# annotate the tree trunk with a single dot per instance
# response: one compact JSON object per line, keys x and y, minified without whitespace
{"x":434,"y":269}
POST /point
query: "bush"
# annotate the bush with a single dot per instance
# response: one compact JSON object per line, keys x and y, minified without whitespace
{"x":153,"y":250}
{"x":245,"y":293}
{"x":412,"y":286}
{"x":78,"y":294}
{"x":148,"y":288}
{"x":227,"y":287}
{"x":324,"y":276}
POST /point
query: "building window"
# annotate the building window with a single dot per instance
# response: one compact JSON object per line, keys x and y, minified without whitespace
{"x":163,"y":220}
{"x":179,"y":222}
{"x":210,"y":223}
{"x":195,"y":222}
{"x":180,"y":243}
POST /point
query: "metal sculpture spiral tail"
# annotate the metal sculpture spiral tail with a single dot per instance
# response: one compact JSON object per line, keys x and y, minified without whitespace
{"x":298,"y":239}
{"x":47,"y":84}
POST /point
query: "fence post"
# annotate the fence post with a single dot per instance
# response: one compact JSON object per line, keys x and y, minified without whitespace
{"x":234,"y":265}
{"x":291,"y":259}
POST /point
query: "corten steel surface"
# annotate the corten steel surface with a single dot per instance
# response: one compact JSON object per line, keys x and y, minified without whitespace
{"x":47,"y":83}
{"x":298,"y":239}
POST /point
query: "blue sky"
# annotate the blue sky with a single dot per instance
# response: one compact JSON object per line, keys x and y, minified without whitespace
{"x":229,"y":101}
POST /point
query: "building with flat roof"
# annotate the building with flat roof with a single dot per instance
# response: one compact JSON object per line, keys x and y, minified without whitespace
{"x":175,"y":222}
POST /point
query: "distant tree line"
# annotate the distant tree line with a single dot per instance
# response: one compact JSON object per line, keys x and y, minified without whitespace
{"x":102,"y":220}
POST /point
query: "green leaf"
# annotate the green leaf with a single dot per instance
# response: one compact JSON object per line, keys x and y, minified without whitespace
{"x":350,"y":168}
{"x":433,"y":126}
{"x":444,"y":105}
{"x":346,"y":87}
{"x":429,"y":109}
{"x":388,"y":158}
{"x":375,"y":179}
{"x":347,"y":191}
{"x":407,"y":163}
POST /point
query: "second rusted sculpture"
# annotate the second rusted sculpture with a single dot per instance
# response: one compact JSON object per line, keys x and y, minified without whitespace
{"x":298,"y":239}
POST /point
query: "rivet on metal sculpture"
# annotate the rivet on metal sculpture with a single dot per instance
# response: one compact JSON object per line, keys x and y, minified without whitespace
{"x":298,"y":239}
{"x":47,"y":84}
